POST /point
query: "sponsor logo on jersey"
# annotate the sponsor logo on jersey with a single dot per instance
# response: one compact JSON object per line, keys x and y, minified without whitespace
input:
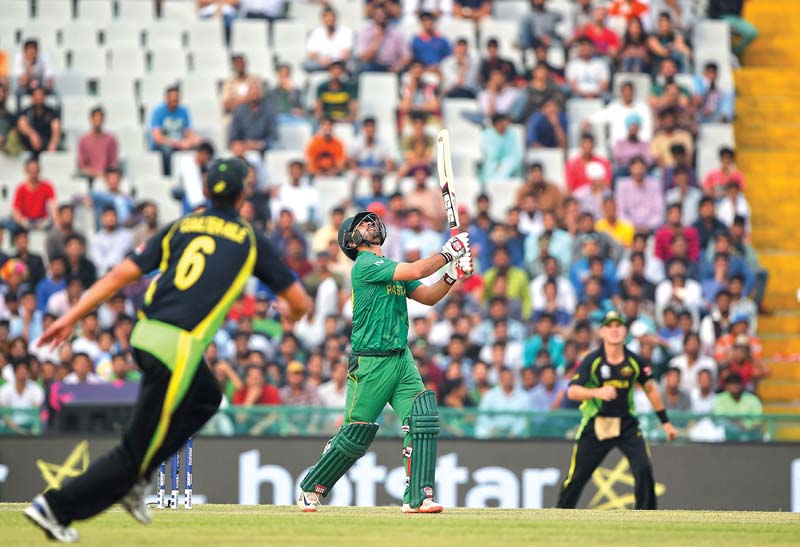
{"x":605,"y":371}
{"x":626,"y":371}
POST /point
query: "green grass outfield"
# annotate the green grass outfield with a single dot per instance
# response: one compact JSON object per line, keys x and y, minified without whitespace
{"x":221,"y":525}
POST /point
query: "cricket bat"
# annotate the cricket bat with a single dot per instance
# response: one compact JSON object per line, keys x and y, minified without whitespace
{"x":445,"y":165}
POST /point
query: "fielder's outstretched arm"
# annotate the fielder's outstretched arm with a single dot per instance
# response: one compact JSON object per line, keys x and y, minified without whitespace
{"x":122,"y":274}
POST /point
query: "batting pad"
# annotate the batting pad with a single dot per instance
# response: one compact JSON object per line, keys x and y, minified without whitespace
{"x":339,"y":455}
{"x":423,"y":424}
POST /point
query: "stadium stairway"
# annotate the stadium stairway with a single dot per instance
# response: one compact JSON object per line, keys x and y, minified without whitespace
{"x":768,"y":143}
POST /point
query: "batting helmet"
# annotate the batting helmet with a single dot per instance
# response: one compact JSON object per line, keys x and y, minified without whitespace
{"x":350,"y":238}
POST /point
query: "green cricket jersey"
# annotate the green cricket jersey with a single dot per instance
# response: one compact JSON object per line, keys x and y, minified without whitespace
{"x":380,"y":315}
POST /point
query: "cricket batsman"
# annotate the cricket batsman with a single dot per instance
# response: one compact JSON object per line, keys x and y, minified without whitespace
{"x":204,"y":260}
{"x":381,"y":369}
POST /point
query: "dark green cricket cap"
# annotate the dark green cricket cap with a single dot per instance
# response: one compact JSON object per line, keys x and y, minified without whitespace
{"x":226,"y":177}
{"x":613,"y":316}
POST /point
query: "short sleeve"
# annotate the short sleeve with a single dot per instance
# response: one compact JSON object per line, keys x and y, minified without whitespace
{"x":583,"y":374}
{"x":645,"y":372}
{"x":270,"y":266}
{"x":375,"y":269}
{"x":148,"y":255}
{"x":412,"y":285}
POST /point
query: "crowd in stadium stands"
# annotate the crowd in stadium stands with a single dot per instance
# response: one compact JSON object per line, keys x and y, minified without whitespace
{"x":633,"y":226}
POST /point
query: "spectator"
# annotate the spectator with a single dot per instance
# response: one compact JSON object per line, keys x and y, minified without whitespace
{"x":328,"y":43}
{"x":287,"y":98}
{"x":640,"y":198}
{"x":418,"y":95}
{"x":381,"y":45}
{"x":577,"y":170}
{"x":538,"y":28}
{"x":539,"y":90}
{"x":666,"y":81}
{"x":581,"y":269}
{"x":325,"y":153}
{"x":97,"y":150}
{"x":559,"y":242}
{"x":416,"y":236}
{"x":190,"y":174}
{"x":296,"y":391}
{"x":605,"y":41}
{"x":714,"y":105}
{"x":255,"y":391}
{"x":667,"y":135}
{"x":634,"y":56}
{"x":501,"y":150}
{"x":253,"y":122}
{"x":32,"y":69}
{"x":680,"y":12}
{"x":34,"y":200}
{"x":500,"y":409}
{"x":730,"y":11}
{"x":63,"y":300}
{"x":741,"y":304}
{"x":723,"y":347}
{"x":590,"y":196}
{"x":237,"y":89}
{"x":544,"y":338}
{"x":21,"y":393}
{"x":609,"y":223}
{"x":112,"y":243}
{"x":39,"y":126}
{"x":548,"y":127}
{"x":565,"y":292}
{"x":716,"y":180}
{"x":297,"y":196}
{"x":684,"y":195}
{"x":424,"y":197}
{"x":271,"y":10}
{"x":547,"y":195}
{"x":460,"y":73}
{"x":336,"y":97}
{"x":672,"y":227}
{"x":746,"y":251}
{"x":717,"y":323}
{"x":285,"y":231}
{"x":498,"y":97}
{"x":617,"y":115}
{"x":327,"y":233}
{"x":735,"y":402}
{"x":549,"y":392}
{"x":28,"y":321}
{"x":733,"y":205}
{"x":53,"y":283}
{"x":702,"y":396}
{"x":493,"y":61}
{"x":666,"y":42}
{"x":716,"y":279}
{"x":112,"y":196}
{"x":9,"y":139}
{"x":708,"y":226}
{"x":224,"y":9}
{"x":517,"y":279}
{"x":429,"y":47}
{"x":61,"y":228}
{"x":673,"y":394}
{"x":148,"y":225}
{"x":679,"y":291}
{"x":170,"y":128}
{"x":77,"y":263}
{"x":332,"y":393}
{"x":631,"y":146}
{"x":473,"y":10}
{"x":691,"y":363}
{"x":32,"y":261}
{"x":82,"y":370}
{"x":586,"y":74}
{"x":370,"y":154}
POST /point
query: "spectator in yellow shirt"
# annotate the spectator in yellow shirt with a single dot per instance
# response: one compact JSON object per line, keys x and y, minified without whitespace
{"x":620,"y":230}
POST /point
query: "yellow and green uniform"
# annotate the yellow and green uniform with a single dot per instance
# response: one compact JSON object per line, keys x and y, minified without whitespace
{"x":596,"y":371}
{"x":203,"y":261}
{"x":381,"y":368}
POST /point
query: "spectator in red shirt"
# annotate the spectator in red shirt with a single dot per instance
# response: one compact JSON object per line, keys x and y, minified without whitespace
{"x":255,"y":390}
{"x":606,"y":41}
{"x":672,"y":227}
{"x":716,"y":179}
{"x":97,"y":149}
{"x":576,"y":166}
{"x":34,"y":199}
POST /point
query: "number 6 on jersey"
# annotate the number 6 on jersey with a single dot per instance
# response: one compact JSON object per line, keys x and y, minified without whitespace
{"x":445,"y":166}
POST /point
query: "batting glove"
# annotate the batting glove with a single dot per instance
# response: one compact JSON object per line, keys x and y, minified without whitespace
{"x":460,"y":268}
{"x":455,"y":247}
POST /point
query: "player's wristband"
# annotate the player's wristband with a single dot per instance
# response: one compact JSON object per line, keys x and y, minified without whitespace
{"x":447,"y":279}
{"x":662,"y":416}
{"x":447,"y":257}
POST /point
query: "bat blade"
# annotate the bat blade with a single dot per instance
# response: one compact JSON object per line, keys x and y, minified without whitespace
{"x":444,"y":164}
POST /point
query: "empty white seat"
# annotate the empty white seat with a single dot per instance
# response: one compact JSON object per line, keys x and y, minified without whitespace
{"x":455,"y":29}
{"x":121,"y":112}
{"x":504,"y":31}
{"x":90,"y":61}
{"x":378,"y":94}
{"x":333,"y":192}
{"x":116,"y":84}
{"x":130,"y":141}
{"x":712,"y":33}
{"x":136,"y":10}
{"x":642,"y":84}
{"x":276,"y":162}
{"x":97,"y":11}
{"x":577,"y":111}
{"x":553,"y":161}
{"x":18,"y":10}
{"x":168,"y":60}
{"x":70,"y":83}
{"x":501,"y":195}
{"x":196,"y":87}
{"x":204,"y":113}
{"x":77,"y":35}
{"x":259,"y":62}
{"x":716,"y":135}
{"x":707,"y":159}
{"x":75,"y":112}
{"x":123,"y":34}
{"x":305,"y":12}
{"x":314,"y":80}
{"x":206,"y":33}
{"x":288,"y":35}
{"x":57,"y":165}
{"x":58,"y":10}
{"x":210,"y":62}
{"x":178,"y":9}
{"x":511,"y":10}
{"x":146,"y":165}
{"x":247,"y":34}
{"x":345,"y":133}
{"x":44,"y":31}
{"x":294,"y":136}
{"x":130,"y":60}
{"x":165,"y":34}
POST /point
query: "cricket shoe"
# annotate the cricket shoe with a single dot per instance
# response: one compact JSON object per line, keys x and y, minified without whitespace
{"x":428,"y":506}
{"x":133,"y":502}
{"x":40,"y":514}
{"x":308,"y":502}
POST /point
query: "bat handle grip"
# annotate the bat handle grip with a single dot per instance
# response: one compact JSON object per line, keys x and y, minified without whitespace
{"x":455,"y":231}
